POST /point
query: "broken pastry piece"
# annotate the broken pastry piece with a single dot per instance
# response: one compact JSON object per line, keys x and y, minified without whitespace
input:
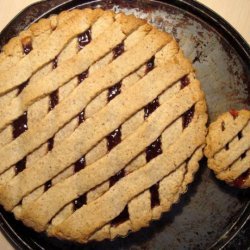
{"x":228,"y":148}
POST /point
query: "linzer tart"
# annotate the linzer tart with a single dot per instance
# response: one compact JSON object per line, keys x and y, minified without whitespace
{"x":102,"y":125}
{"x":228,"y":148}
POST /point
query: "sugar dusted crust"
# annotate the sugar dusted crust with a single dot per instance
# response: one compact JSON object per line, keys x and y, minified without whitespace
{"x":106,"y":114}
{"x":228,"y":148}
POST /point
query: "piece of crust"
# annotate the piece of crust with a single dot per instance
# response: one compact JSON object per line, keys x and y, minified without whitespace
{"x":228,"y":147}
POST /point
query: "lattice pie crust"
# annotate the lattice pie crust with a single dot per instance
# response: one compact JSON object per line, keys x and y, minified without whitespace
{"x":102,"y":124}
{"x":228,"y":148}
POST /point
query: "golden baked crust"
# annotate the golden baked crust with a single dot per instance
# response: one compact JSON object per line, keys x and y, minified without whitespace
{"x":113,"y":125}
{"x":228,"y":148}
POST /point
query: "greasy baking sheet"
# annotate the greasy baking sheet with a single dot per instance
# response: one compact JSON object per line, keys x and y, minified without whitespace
{"x":210,"y":213}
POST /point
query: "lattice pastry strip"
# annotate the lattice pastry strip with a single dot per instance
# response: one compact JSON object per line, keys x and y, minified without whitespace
{"x":171,"y":187}
{"x":228,"y":147}
{"x":82,"y":40}
{"x":97,"y":125}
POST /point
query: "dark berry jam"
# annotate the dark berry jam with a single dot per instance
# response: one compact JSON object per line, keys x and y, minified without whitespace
{"x":54,"y":99}
{"x":20,"y":166}
{"x":150,"y":64}
{"x":187,"y":117}
{"x":239,"y":182}
{"x":20,"y":125}
{"x":84,"y":38}
{"x":79,"y":202}
{"x":234,"y":113}
{"x":118,"y":50}
{"x":114,"y":138}
{"x":50,"y":144}
{"x":184,"y":82}
{"x":155,"y":199}
{"x":80,"y":164}
{"x":21,"y":87}
{"x":55,"y":63}
{"x":151,"y":107}
{"x":240,"y":135}
{"x":154,"y":149}
{"x":116,"y":177}
{"x":81,"y":117}
{"x":114,"y":91}
{"x":27,"y":48}
{"x":243,"y":155}
{"x":82,"y":76}
{"x":47,"y":185}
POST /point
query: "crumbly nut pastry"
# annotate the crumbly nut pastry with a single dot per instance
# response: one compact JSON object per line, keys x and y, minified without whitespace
{"x":228,"y":148}
{"x":103,"y":123}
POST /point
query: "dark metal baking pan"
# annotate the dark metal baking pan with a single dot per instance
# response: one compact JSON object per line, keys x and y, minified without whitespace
{"x":211,"y":213}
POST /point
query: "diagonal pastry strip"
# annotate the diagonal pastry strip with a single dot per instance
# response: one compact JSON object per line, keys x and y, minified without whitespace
{"x":48,"y":50}
{"x":81,"y":96}
{"x":88,"y":133}
{"x":236,"y":169}
{"x":222,"y":160}
{"x":68,"y":69}
{"x":127,"y":188}
{"x":110,"y":164}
